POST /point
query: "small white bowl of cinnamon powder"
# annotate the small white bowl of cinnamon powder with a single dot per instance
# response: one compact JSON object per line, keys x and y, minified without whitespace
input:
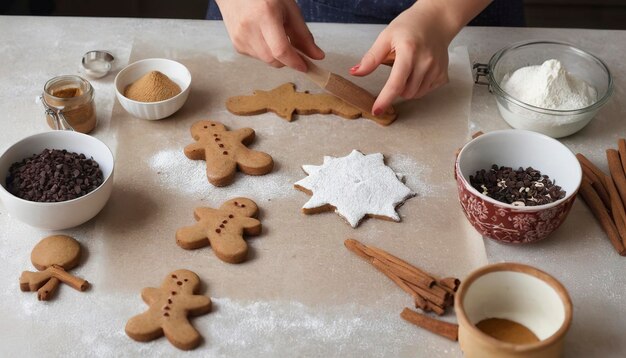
{"x":154,"y":88}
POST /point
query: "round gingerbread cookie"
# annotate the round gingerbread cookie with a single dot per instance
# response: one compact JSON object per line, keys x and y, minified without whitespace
{"x":58,"y":250}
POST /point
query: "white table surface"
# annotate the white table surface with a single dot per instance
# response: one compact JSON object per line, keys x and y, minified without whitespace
{"x":35,"y":49}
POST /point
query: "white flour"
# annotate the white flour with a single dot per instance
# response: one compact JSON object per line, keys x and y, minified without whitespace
{"x":170,"y":163}
{"x":550,"y":86}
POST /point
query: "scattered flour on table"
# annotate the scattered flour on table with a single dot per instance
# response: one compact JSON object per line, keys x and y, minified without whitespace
{"x":415,"y":175}
{"x":93,"y":325}
{"x":178,"y":173}
{"x":550,"y":86}
{"x":266,"y":328}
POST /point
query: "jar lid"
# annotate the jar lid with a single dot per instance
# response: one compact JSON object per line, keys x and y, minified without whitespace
{"x":97,"y":63}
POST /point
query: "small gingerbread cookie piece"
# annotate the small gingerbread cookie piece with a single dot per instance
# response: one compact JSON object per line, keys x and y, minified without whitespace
{"x":170,"y":306}
{"x":53,"y":256}
{"x":223,"y":229}
{"x":284,"y":100}
{"x":225,"y":151}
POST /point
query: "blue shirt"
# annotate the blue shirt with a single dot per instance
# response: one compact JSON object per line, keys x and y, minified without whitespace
{"x":498,"y":13}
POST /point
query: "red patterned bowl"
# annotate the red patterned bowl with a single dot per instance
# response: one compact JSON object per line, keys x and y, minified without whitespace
{"x":516,"y":148}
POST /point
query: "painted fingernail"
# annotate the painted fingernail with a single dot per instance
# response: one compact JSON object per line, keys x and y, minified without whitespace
{"x":355,"y":68}
{"x":378,"y":112}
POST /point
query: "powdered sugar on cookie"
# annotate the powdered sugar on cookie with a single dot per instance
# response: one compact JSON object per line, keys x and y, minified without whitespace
{"x":355,"y":186}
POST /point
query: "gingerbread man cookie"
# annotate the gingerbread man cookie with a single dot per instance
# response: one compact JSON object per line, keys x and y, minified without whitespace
{"x":53,"y":256}
{"x":225,"y":151}
{"x":284,"y":100}
{"x":170,"y":306}
{"x":223,"y":229}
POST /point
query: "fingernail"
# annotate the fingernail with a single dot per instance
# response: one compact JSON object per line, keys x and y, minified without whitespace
{"x":378,"y":112}
{"x":355,"y":68}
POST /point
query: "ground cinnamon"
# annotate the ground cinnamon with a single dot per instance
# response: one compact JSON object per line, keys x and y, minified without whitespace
{"x":154,"y":86}
{"x":73,"y":97}
{"x":507,"y":331}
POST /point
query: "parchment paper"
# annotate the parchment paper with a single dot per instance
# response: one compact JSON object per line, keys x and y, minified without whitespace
{"x":301,"y":293}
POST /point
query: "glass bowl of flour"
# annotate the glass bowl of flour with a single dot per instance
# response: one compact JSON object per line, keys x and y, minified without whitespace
{"x":548,"y":87}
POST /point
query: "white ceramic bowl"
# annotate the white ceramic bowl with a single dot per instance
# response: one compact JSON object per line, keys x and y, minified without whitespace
{"x":551,"y":122}
{"x":65,"y":214}
{"x":153,"y":110}
{"x":516,"y":148}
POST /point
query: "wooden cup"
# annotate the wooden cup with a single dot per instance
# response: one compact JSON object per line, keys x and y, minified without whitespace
{"x":519,"y":293}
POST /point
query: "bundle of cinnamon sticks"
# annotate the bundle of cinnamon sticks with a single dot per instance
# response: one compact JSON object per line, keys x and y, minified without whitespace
{"x":429,"y":293}
{"x":606,"y":194}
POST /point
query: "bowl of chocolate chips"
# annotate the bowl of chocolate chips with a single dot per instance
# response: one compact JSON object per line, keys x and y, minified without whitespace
{"x":516,"y":186}
{"x":56,"y":180}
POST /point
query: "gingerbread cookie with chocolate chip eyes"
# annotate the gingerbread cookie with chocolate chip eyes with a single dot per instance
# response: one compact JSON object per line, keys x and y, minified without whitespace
{"x":223,"y":229}
{"x":170,"y":306}
{"x":226,"y":151}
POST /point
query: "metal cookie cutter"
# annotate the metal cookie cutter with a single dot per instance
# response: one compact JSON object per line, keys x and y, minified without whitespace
{"x":97,"y":63}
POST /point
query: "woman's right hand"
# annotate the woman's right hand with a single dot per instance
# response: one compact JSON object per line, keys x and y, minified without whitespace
{"x":269,"y":30}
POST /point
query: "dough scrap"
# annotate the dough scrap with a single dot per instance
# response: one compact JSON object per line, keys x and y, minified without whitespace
{"x":284,"y":100}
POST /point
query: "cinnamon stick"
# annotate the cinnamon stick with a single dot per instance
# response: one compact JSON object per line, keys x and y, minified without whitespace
{"x":439,"y":311}
{"x":420,"y":302}
{"x":444,"y":329}
{"x":67,"y":278}
{"x":397,"y":280}
{"x":597,"y":182}
{"x":430,"y":296}
{"x":621,"y":145}
{"x":46,"y":291}
{"x":617,"y":209}
{"x":382,"y":255}
{"x":357,"y":248}
{"x":451,"y":283}
{"x":617,"y":172}
{"x":406,"y":274}
{"x":599,"y":211}
{"x":586,"y":162}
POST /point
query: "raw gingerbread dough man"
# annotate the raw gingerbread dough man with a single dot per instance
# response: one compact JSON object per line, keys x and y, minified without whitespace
{"x":225,"y":151}
{"x":223,"y":229}
{"x":169,"y":307}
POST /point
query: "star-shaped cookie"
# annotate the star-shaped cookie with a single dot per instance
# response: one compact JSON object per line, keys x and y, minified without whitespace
{"x":354,"y":186}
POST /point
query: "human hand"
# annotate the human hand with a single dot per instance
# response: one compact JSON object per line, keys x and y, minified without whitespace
{"x":269,"y":30}
{"x":420,"y":38}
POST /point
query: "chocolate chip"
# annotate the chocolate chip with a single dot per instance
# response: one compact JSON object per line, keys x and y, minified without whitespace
{"x":521,"y":187}
{"x":54,"y":175}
